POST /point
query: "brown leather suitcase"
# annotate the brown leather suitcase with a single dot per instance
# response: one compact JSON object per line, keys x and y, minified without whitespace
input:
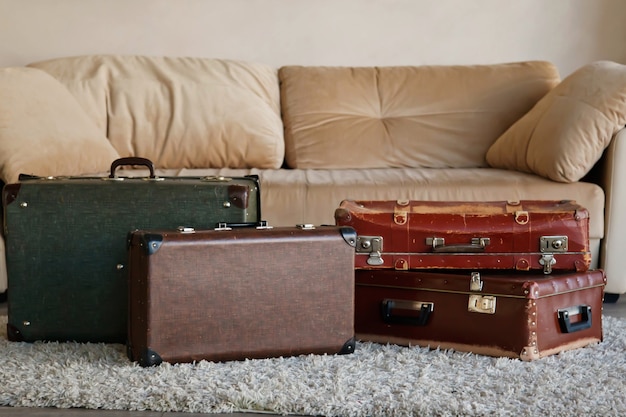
{"x":524,"y":235}
{"x":231,"y":294}
{"x":519,"y":315}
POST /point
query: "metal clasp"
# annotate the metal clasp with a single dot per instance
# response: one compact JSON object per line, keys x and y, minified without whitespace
{"x":215,"y":178}
{"x":553,"y":243}
{"x":547,"y":260}
{"x":435,"y":242}
{"x":223,"y":226}
{"x":485,"y":304}
{"x":476,"y":283}
{"x":372,"y":245}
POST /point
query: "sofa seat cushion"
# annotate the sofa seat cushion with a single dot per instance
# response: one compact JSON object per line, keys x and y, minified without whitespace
{"x":564,"y":135}
{"x":422,"y":116}
{"x":289,"y":197}
{"x":44,"y":131}
{"x":180,"y":112}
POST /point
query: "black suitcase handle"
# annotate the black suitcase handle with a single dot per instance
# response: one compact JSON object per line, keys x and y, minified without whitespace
{"x":424,"y":308}
{"x":564,"y":318}
{"x":132,"y":160}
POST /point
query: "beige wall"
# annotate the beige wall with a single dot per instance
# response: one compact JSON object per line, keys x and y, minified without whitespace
{"x":569,"y":33}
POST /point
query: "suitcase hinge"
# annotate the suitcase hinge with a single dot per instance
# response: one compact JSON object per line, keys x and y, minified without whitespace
{"x":372,"y":245}
{"x":547,"y":260}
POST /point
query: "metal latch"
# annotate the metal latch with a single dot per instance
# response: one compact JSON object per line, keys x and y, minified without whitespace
{"x":476,"y":283}
{"x":553,"y":243}
{"x":372,"y":245}
{"x":435,"y":242}
{"x":547,"y":260}
{"x":215,"y":178}
{"x":223,"y":226}
{"x":485,"y":304}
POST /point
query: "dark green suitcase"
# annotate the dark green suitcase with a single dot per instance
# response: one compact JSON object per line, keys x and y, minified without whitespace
{"x":66,"y":243}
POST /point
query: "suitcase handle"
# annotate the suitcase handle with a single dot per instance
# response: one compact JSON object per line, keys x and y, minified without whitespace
{"x":477,"y":244}
{"x":567,"y":326}
{"x":424,"y":309}
{"x":132,"y":160}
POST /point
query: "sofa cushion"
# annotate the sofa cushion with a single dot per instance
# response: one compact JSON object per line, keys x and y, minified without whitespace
{"x":564,"y":135}
{"x":292,"y":196}
{"x":180,"y":112}
{"x":428,"y":116}
{"x":44,"y":131}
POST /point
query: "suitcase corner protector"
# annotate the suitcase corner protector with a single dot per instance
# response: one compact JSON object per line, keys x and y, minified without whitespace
{"x":14,"y":334}
{"x":151,"y":242}
{"x":349,"y":235}
{"x":149,"y":357}
{"x":348,"y":347}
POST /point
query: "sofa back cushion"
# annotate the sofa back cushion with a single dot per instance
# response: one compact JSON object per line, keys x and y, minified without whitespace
{"x":423,"y":116}
{"x":180,"y":112}
{"x":44,"y":130}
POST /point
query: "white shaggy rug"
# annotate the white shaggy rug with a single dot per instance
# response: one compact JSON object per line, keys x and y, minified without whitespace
{"x":376,"y":380}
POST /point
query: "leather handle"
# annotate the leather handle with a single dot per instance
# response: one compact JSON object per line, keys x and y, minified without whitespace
{"x":476,"y":245}
{"x":132,"y":160}
{"x":389,"y":316}
{"x":565,"y":323}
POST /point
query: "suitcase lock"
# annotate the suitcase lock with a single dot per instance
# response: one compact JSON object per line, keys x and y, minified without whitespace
{"x":485,"y":304}
{"x":548,"y":245}
{"x":479,"y":303}
{"x":372,"y":245}
{"x":547,"y":260}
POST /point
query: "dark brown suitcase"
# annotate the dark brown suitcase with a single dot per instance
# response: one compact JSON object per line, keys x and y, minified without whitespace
{"x":241,"y":293}
{"x":525,"y":235}
{"x":519,"y":315}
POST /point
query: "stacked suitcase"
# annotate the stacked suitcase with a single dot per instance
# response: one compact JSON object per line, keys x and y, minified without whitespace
{"x":497,"y":278}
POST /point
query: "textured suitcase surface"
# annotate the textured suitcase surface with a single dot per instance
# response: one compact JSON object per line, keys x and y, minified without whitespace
{"x":519,"y":315}
{"x":526,"y":235}
{"x":243,"y":293}
{"x":67,"y":245}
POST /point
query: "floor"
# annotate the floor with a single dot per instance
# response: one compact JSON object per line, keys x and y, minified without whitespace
{"x":616,"y":309}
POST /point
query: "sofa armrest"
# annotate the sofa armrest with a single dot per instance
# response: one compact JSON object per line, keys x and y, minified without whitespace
{"x":611,"y":176}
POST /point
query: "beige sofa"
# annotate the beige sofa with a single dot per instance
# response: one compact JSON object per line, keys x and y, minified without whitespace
{"x":318,"y":135}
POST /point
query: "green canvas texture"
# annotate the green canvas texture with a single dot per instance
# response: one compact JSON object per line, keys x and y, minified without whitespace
{"x":67,"y":245}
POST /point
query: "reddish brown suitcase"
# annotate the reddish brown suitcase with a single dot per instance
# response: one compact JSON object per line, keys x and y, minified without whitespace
{"x":241,"y":293}
{"x":525,"y":235}
{"x":519,"y":315}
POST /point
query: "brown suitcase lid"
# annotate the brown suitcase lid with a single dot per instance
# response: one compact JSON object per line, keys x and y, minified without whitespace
{"x":511,"y":284}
